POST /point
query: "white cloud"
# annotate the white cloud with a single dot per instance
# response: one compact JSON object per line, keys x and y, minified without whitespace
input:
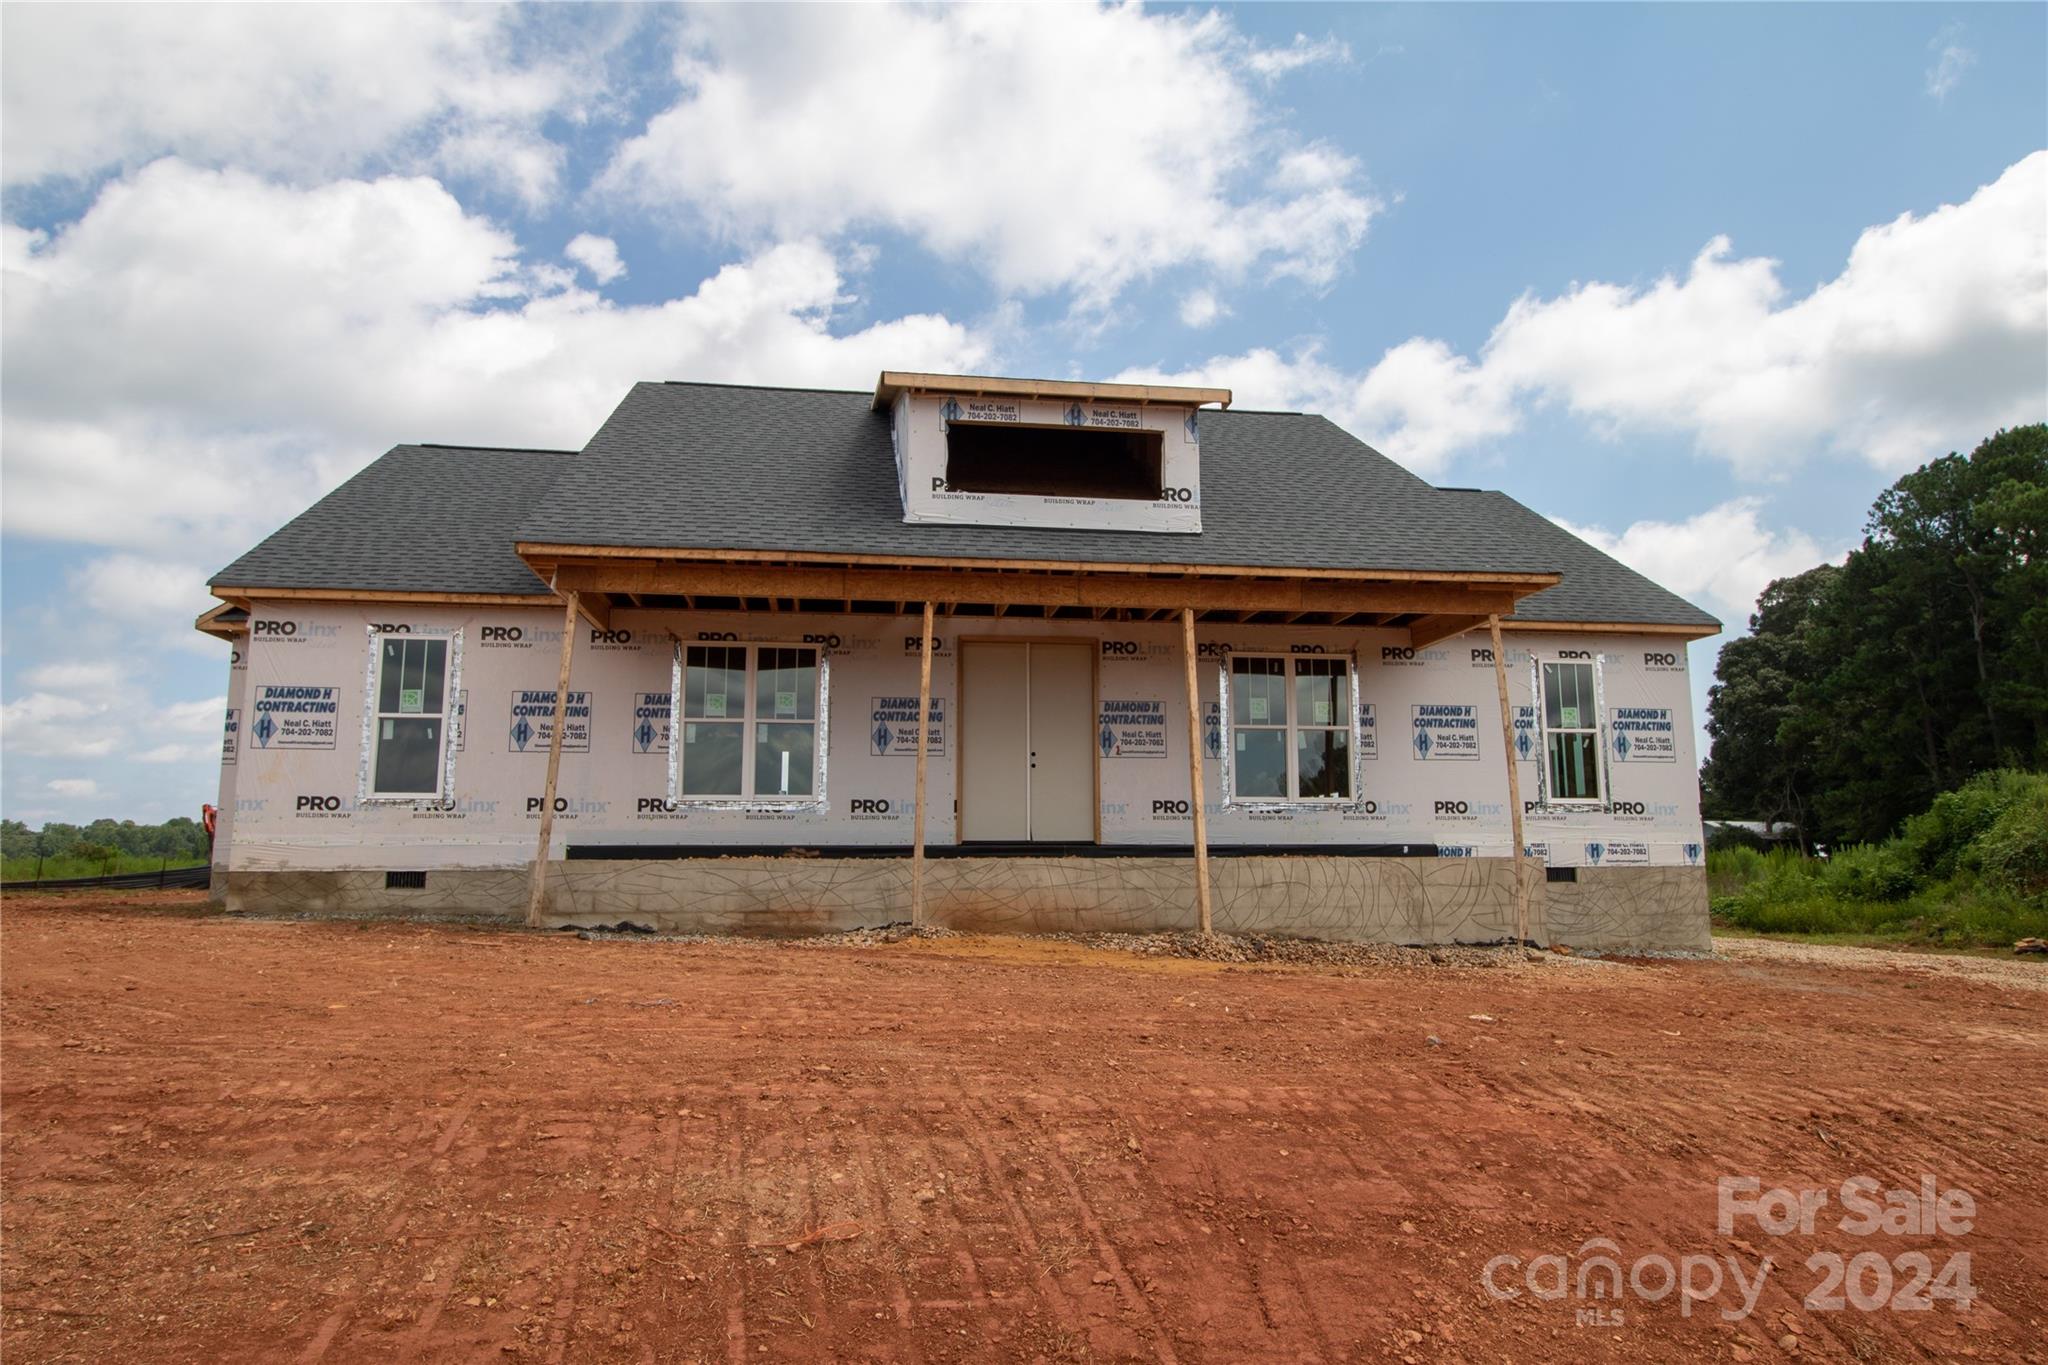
{"x":72,"y":709}
{"x":1274,"y":62}
{"x":1934,"y":334}
{"x":1951,"y":60}
{"x":1722,"y":558}
{"x":1145,"y":146}
{"x":97,"y":681}
{"x":187,"y":754}
{"x":98,"y":709}
{"x":1200,"y":307}
{"x":273,"y":339}
{"x":128,"y":587}
{"x":598,"y":255}
{"x":52,"y":725}
{"x":202,"y":717}
{"x":1434,"y":401}
{"x":73,"y":786}
{"x":296,"y":90}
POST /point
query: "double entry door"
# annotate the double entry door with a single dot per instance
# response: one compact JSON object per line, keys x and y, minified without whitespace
{"x":1027,"y":741}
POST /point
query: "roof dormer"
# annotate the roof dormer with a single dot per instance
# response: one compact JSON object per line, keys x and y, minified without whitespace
{"x":1046,"y":453}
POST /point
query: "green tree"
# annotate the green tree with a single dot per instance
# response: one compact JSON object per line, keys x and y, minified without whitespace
{"x":1937,"y":661}
{"x":56,"y":839}
{"x":1921,"y":662}
{"x":1762,"y":764}
{"x":16,"y":840}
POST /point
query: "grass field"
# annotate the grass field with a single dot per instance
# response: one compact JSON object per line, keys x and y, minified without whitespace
{"x":59,"y":869}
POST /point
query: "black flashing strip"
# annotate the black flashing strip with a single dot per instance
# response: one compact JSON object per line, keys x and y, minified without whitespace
{"x":684,"y":852}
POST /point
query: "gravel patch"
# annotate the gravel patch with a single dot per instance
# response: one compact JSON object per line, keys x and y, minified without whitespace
{"x":1249,"y":949}
{"x":1303,"y":952}
{"x":2024,"y":974}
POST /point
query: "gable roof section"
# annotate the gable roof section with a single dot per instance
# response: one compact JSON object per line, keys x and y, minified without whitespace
{"x":422,"y":518}
{"x":1596,"y":586}
{"x":718,"y":467}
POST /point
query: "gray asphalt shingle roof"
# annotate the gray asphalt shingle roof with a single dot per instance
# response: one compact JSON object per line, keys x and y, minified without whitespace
{"x":724,"y":467}
{"x":1596,"y":586}
{"x":418,"y":519}
{"x":715,"y":467}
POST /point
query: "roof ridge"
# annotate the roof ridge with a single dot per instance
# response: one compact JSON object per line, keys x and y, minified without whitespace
{"x":763,"y":388}
{"x":513,"y":450}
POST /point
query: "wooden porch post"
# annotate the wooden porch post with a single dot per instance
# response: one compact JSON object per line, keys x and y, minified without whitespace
{"x":538,"y":886}
{"x":1507,"y":736}
{"x":1187,"y":640}
{"x":924,"y":707}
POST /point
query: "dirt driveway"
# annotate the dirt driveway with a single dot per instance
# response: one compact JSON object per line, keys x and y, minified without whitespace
{"x":239,"y":1140}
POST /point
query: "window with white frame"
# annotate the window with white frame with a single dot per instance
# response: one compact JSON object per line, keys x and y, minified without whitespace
{"x":1291,"y":721}
{"x":410,"y":721}
{"x":748,"y":722}
{"x":1571,"y":731}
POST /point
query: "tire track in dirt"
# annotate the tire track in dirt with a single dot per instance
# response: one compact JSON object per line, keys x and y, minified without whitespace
{"x":532,"y":1125}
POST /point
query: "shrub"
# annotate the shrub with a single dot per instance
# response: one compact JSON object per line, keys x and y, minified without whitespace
{"x":1870,"y":872}
{"x":2013,"y":852}
{"x":1938,"y":840}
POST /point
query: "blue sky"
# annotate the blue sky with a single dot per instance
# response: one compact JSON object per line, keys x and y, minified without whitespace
{"x":1698,"y":281}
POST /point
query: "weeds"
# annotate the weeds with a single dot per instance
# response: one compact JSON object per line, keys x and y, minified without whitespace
{"x":1971,"y":870}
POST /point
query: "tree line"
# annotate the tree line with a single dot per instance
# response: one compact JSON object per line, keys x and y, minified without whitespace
{"x":180,"y":839}
{"x":1866,"y":689}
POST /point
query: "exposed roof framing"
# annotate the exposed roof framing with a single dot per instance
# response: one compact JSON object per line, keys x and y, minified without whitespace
{"x":894,"y":382}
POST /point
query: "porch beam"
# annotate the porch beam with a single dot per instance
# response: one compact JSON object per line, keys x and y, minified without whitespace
{"x":1441,"y":626}
{"x":1155,"y":595}
{"x":550,"y":554}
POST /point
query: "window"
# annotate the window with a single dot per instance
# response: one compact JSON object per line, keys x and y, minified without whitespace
{"x":1291,"y":721}
{"x":1057,"y":462}
{"x":1571,"y":731}
{"x":750,"y":723}
{"x":410,"y":723}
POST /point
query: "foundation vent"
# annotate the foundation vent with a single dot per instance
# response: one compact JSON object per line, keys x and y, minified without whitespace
{"x":1550,"y":874}
{"x":407,"y":881}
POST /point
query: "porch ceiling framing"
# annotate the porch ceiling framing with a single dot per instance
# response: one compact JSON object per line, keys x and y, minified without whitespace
{"x":1433,"y":605}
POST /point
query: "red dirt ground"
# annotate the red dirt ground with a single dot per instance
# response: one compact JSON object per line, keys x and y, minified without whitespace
{"x":227,"y":1139}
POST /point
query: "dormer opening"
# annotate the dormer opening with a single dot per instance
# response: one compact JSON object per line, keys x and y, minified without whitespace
{"x":979,"y":450}
{"x":1054,"y":461}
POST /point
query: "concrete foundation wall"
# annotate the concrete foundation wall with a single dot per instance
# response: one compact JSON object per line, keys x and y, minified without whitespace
{"x":1373,"y":900}
{"x":1618,"y":908}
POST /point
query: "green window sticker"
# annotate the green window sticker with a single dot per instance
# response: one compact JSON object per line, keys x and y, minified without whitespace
{"x":1258,"y":708}
{"x":1322,"y":710}
{"x":714,"y":703}
{"x":1568,"y":717}
{"x":785,"y":703}
{"x":412,"y":700}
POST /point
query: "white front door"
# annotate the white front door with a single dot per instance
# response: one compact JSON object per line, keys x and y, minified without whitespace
{"x":1027,"y":742}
